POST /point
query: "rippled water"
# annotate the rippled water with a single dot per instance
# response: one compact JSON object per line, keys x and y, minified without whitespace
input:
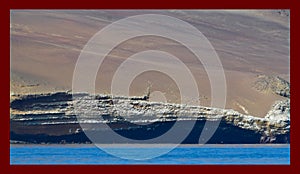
{"x":185,"y":154}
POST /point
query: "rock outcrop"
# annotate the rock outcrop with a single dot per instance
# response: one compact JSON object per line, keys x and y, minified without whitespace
{"x":280,"y":112}
{"x":273,"y":84}
{"x":51,"y":118}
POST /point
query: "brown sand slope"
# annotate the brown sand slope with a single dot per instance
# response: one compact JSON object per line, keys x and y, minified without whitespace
{"x":46,"y":44}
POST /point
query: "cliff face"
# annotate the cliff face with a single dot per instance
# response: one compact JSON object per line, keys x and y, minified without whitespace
{"x":51,"y":118}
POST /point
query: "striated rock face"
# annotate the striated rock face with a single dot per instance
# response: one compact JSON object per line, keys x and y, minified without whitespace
{"x":51,"y":118}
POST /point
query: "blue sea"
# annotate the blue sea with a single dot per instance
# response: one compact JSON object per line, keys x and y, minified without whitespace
{"x":183,"y":154}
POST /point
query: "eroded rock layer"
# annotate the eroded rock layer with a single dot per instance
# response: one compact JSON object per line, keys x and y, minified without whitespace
{"x":65,"y":118}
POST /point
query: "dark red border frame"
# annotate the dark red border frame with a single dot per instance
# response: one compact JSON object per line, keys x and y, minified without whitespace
{"x":7,"y":5}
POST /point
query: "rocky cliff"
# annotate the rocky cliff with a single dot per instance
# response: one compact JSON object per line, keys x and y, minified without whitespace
{"x":51,"y":118}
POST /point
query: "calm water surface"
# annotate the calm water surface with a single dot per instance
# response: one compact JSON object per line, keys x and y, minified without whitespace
{"x":185,"y":154}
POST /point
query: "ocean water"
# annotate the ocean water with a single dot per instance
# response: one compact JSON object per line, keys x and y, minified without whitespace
{"x":184,"y":154}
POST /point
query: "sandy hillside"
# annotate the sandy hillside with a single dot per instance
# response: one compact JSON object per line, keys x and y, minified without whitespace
{"x":45,"y":46}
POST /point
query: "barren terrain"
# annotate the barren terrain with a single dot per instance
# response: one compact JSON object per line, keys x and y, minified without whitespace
{"x":45,"y":46}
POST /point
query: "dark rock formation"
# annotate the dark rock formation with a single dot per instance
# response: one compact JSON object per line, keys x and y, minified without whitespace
{"x":51,"y":118}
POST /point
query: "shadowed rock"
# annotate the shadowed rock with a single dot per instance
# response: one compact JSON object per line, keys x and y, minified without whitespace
{"x":56,"y":118}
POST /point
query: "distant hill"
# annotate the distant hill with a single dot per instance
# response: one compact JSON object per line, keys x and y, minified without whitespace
{"x":46,"y":44}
